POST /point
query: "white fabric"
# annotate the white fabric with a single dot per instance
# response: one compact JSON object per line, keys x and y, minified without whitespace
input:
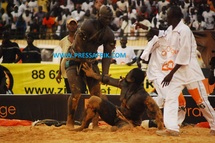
{"x":182,"y":50}
{"x":173,"y":47}
{"x":208,"y":18}
{"x":128,"y":51}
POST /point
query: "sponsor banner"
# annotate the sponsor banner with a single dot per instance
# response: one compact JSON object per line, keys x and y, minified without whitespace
{"x":40,"y":79}
{"x":33,"y":78}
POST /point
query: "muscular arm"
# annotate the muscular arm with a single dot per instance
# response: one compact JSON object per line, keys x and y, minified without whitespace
{"x":106,"y":61}
{"x":103,"y":78}
{"x":108,"y":48}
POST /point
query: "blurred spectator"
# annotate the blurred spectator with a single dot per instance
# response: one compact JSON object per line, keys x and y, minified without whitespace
{"x":162,"y":3}
{"x":77,"y":3}
{"x":56,"y":11}
{"x":48,"y":26}
{"x":130,"y":57}
{"x":23,"y":7}
{"x":132,"y":12}
{"x":133,"y":30}
{"x":35,"y":28}
{"x":209,"y":16}
{"x":134,"y":8}
{"x":163,"y":14}
{"x":67,"y":14}
{"x":78,"y":14}
{"x":70,"y":5}
{"x":3,"y":87}
{"x":87,"y":15}
{"x":155,"y":23}
{"x":211,"y":4}
{"x":10,"y":50}
{"x":198,"y":24}
{"x":33,"y":5}
{"x":211,"y":78}
{"x":20,"y":28}
{"x":122,"y":5}
{"x":52,"y":4}
{"x":31,"y":53}
{"x":27,"y":17}
{"x":138,"y":4}
{"x":40,"y":14}
{"x":126,"y":25}
{"x":15,"y":15}
{"x":5,"y":17}
{"x":60,"y":26}
{"x":98,"y":4}
{"x":117,"y":23}
{"x":184,"y":8}
{"x":144,"y":21}
{"x":87,"y":5}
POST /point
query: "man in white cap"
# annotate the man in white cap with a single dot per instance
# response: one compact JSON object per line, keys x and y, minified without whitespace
{"x":65,"y":43}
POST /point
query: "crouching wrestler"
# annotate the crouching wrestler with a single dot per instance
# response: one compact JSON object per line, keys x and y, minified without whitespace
{"x":134,"y":102}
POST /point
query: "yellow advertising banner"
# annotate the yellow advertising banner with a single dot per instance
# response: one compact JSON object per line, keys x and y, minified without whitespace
{"x":40,"y":79}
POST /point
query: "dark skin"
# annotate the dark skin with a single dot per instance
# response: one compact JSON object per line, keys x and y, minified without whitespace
{"x":134,"y":102}
{"x":92,"y":34}
{"x":5,"y":41}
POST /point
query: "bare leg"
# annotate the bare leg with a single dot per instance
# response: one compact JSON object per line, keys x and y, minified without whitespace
{"x":75,"y":81}
{"x":72,"y":106}
{"x":90,"y":113}
{"x":154,"y":112}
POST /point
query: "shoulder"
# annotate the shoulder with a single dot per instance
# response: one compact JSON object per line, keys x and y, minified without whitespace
{"x":62,"y":40}
{"x":109,"y":33}
{"x":36,"y":48}
{"x":88,"y":22}
{"x":183,"y":29}
{"x":15,"y":44}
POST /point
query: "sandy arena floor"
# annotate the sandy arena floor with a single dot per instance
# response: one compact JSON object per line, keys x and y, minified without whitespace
{"x":52,"y":134}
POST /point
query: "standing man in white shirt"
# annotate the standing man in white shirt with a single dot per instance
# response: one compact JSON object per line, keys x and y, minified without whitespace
{"x":183,"y":71}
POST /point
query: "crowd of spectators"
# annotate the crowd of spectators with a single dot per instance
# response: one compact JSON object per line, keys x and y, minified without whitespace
{"x":49,"y":21}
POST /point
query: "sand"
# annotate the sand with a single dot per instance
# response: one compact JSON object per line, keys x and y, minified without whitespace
{"x":52,"y":134}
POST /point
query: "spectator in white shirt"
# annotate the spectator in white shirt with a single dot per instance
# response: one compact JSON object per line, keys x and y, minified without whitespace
{"x":130,"y":57}
{"x":122,"y":5}
{"x":209,"y":18}
{"x":78,"y":14}
{"x":87,"y":5}
{"x":33,"y":5}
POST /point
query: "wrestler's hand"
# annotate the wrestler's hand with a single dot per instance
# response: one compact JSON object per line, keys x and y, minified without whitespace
{"x":58,"y":78}
{"x":88,"y":70}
